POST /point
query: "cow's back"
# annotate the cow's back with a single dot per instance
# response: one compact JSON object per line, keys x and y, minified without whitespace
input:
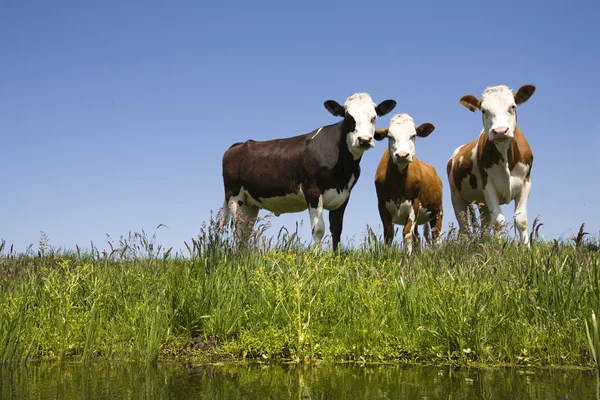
{"x":265,"y":168}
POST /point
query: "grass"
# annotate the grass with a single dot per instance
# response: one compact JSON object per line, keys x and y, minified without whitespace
{"x":471,"y":301}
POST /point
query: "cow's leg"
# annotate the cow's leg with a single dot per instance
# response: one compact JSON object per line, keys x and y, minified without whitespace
{"x":416,"y":235}
{"x":427,"y":232}
{"x":387,"y":222}
{"x":315,"y":211}
{"x":407,"y":232}
{"x":235,"y":205}
{"x":336,"y":219}
{"x":436,"y":228}
{"x":486,"y":220}
{"x":521,"y":212}
{"x":492,"y":203}
{"x":247,"y":221}
{"x":461,"y":211}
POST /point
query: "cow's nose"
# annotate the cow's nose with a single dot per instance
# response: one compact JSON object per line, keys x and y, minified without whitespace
{"x":402,"y":156}
{"x":365,"y":141}
{"x":501,"y":131}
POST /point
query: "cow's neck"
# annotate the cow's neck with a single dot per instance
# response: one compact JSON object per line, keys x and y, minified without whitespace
{"x":353,"y":151}
{"x":401,"y":168}
{"x":396,"y":172}
{"x":493,"y":152}
{"x":503,"y":147}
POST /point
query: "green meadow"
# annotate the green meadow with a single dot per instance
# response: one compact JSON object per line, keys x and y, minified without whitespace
{"x":468,"y":301}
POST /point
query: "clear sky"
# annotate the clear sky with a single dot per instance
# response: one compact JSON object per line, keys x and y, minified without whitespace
{"x":114,"y":115}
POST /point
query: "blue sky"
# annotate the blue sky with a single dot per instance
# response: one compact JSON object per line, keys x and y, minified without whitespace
{"x":114,"y":116}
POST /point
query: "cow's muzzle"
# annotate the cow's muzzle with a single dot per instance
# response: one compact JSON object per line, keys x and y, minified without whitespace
{"x":365,"y":142}
{"x":501,"y":133}
{"x":403,"y":157}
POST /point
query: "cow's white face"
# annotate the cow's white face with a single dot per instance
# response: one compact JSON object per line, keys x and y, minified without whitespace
{"x":499,"y":113}
{"x":359,"y":113}
{"x":401,"y":135}
{"x":498,"y":107}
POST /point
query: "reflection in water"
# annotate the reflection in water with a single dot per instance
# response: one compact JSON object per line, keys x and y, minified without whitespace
{"x":132,"y":381}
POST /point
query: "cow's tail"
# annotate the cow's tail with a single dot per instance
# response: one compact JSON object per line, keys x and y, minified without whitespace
{"x":226,"y":212}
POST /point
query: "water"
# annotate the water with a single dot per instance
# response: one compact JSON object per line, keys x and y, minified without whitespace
{"x":178,"y":381}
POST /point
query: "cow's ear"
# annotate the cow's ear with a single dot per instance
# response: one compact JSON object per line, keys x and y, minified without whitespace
{"x":334,"y":108}
{"x":380,"y":133}
{"x":471,"y":102}
{"x":524,"y":93}
{"x":385,"y":107}
{"x":425,"y":129}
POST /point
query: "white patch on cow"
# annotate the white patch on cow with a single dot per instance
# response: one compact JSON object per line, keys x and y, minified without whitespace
{"x":362,"y":108}
{"x":243,"y":216}
{"x":499,"y":178}
{"x":332,"y":199}
{"x":402,"y":134}
{"x":517,"y":178}
{"x":466,"y":190}
{"x":315,"y":135}
{"x":520,"y":217}
{"x":498,"y":108}
{"x":424,"y":216}
{"x":290,"y":203}
{"x":402,"y":212}
{"x":408,"y":238}
{"x":507,"y":183}
{"x":233,"y":202}
{"x":474,"y":156}
{"x":399,"y":212}
{"x":316,"y":221}
{"x":468,"y":193}
{"x":457,"y":150}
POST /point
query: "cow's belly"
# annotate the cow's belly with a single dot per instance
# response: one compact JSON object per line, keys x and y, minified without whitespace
{"x":401,"y":212}
{"x":290,"y":203}
{"x":333,"y":199}
{"x":508,"y":184}
{"x":469,"y":193}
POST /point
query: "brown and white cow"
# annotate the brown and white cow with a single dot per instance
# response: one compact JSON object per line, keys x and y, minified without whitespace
{"x":495,"y":168}
{"x":409,"y":191}
{"x":316,"y":170}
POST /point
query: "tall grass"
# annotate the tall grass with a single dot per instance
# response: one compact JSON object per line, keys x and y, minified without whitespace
{"x":483,"y":301}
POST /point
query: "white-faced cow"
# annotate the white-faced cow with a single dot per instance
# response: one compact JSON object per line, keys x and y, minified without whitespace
{"x":316,"y":170}
{"x":495,"y":168}
{"x":409,"y":191}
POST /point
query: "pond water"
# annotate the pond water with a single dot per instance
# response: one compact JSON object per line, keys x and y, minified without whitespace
{"x":178,"y":381}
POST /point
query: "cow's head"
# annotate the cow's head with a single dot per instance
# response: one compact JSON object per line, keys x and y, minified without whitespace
{"x":402,"y":133}
{"x":359,"y":113}
{"x":498,"y":107}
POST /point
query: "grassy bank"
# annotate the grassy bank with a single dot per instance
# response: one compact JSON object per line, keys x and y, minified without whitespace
{"x":465,"y":302}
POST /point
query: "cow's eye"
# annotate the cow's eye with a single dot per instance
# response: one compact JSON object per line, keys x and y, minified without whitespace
{"x":373,"y":120}
{"x":513,"y":108}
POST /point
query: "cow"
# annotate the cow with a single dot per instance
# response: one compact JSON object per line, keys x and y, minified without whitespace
{"x":315,"y":170}
{"x":495,"y":168}
{"x":409,"y":191}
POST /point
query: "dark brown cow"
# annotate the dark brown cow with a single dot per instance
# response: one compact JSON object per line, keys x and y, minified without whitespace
{"x":316,"y":170}
{"x":495,"y":168}
{"x":409,"y":191}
